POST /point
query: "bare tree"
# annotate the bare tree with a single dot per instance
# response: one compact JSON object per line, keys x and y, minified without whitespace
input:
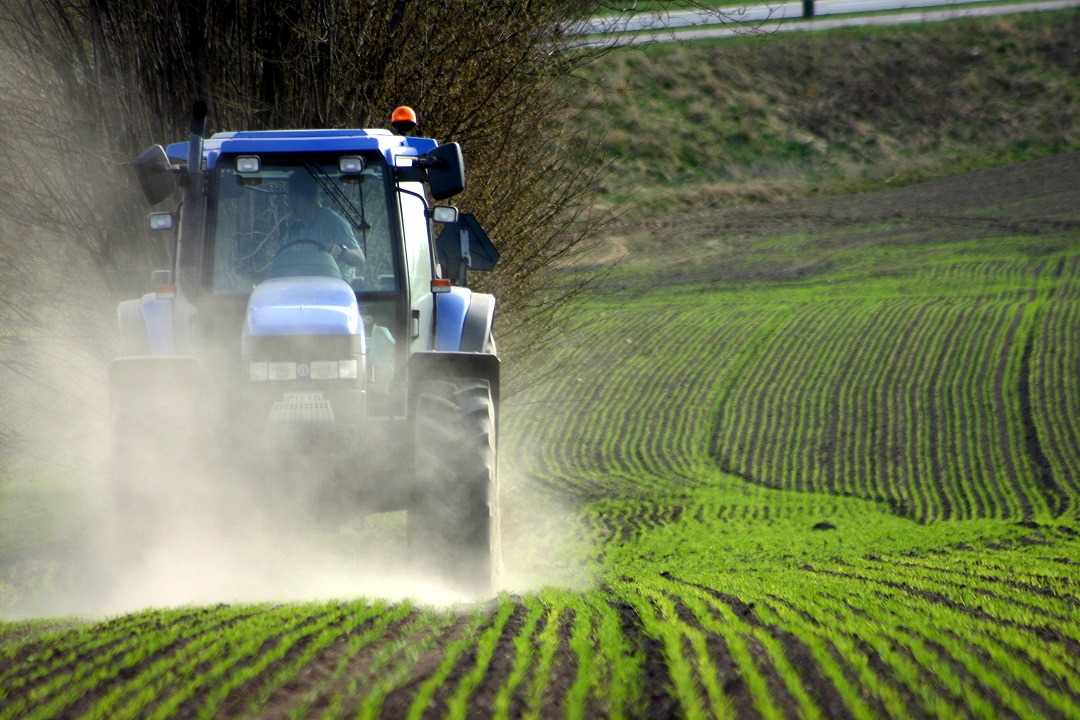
{"x":490,"y":74}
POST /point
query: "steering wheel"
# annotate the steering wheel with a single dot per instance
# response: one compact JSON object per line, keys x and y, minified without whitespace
{"x":324,"y":246}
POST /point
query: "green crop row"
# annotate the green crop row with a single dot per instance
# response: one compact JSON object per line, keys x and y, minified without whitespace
{"x":1055,"y":395}
{"x":940,"y":405}
{"x":131,"y":670}
{"x":875,"y":637}
{"x":42,"y":684}
{"x":628,"y":420}
{"x":971,"y":629}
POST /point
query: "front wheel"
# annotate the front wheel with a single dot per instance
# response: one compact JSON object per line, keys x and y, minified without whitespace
{"x":453,"y":518}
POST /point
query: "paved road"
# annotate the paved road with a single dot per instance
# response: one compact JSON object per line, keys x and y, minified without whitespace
{"x":735,"y":21}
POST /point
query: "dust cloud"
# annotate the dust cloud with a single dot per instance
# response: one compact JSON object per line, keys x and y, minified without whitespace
{"x":217,"y":526}
{"x":545,"y":541}
{"x":196,"y":530}
{"x":212,"y":535}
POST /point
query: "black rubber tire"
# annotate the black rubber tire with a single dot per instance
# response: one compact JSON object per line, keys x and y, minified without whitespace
{"x":453,"y":518}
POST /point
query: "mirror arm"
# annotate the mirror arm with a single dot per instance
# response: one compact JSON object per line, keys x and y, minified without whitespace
{"x":466,"y":258}
{"x":409,"y":174}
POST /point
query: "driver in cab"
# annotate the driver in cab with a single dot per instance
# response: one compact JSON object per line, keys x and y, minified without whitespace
{"x":320,"y":226}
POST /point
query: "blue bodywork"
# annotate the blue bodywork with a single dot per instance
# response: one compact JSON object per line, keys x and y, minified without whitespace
{"x":299,"y":141}
{"x":303,"y":306}
{"x":306,"y":306}
{"x":451,"y":309}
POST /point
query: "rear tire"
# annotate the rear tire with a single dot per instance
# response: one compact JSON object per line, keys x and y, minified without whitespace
{"x":453,"y":518}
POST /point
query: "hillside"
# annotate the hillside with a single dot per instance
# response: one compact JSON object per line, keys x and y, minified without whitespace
{"x":764,"y":117}
{"x":816,"y":455}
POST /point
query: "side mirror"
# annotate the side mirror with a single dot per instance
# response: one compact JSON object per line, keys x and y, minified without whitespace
{"x":445,"y":170}
{"x":156,"y":175}
{"x":464,"y":246}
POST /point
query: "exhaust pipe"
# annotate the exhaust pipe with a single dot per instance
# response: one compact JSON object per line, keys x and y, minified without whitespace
{"x":195,"y":140}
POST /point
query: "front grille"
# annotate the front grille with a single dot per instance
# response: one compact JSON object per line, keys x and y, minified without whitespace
{"x":302,"y":408}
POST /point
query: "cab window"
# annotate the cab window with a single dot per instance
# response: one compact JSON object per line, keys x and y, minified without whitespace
{"x":284,"y":219}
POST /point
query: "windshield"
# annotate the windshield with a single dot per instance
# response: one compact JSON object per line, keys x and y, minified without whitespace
{"x":299,"y":217}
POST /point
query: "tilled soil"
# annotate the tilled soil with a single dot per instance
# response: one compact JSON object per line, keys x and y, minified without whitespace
{"x":1039,"y":197}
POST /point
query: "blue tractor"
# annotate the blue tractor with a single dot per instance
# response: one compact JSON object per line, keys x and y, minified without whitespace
{"x":313,"y":328}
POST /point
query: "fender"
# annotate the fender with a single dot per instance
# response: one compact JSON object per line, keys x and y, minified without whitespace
{"x":424,"y":366}
{"x":464,"y":321}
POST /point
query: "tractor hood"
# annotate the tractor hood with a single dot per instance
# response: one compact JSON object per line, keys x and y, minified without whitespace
{"x":302,"y":306}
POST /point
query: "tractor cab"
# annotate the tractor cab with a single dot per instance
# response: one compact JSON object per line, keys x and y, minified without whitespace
{"x":347,"y":206}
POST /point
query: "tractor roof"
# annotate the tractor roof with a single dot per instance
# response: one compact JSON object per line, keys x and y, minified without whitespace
{"x":300,"y":141}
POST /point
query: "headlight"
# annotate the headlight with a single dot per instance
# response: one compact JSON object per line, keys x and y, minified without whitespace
{"x":316,"y":370}
{"x":348,"y":369}
{"x":324,"y":370}
{"x":259,"y":372}
{"x":247,"y":164}
{"x":282,"y":370}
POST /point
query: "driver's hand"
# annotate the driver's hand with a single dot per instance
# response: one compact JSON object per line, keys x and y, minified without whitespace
{"x":345,"y":254}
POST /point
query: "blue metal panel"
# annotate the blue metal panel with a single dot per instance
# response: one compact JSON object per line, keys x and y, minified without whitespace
{"x":303,"y":306}
{"x":422,"y":145}
{"x":288,"y":141}
{"x":293,"y":134}
{"x":157,"y":313}
{"x":450,"y":311}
